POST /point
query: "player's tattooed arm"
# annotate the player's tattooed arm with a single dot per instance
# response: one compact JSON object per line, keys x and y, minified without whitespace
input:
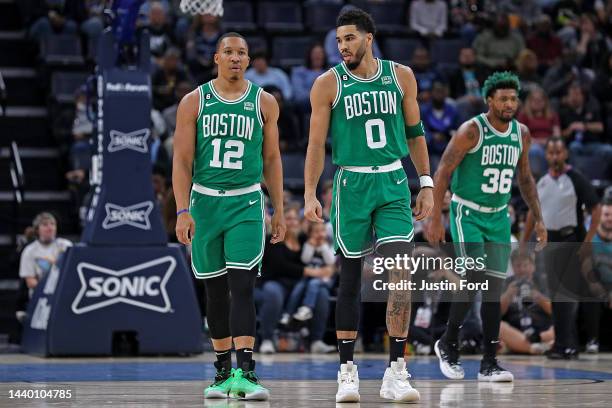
{"x":464,"y":140}
{"x":182,"y":162}
{"x":527,"y":187}
{"x":322,"y":95}
{"x":272,"y":164}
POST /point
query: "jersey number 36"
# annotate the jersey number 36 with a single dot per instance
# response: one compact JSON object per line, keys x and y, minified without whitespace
{"x":500,"y":181}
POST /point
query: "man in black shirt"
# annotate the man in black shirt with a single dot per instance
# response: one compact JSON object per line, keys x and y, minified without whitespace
{"x":563,"y":192}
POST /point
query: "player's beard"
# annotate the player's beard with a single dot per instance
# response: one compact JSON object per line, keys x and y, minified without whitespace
{"x":503,"y":118}
{"x":358,"y":57}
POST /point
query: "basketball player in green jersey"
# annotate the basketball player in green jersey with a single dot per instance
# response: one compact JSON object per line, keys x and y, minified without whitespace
{"x":370,"y":106}
{"x":226,"y":136}
{"x":482,"y":158}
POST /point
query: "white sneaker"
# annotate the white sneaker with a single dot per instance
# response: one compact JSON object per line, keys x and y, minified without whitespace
{"x":267,"y":347}
{"x":449,"y":360}
{"x":319,"y":347}
{"x":491,"y":371}
{"x":303,"y":313}
{"x":348,"y":383}
{"x":395,"y":385}
{"x":539,"y":348}
{"x":422,"y":349}
{"x":285,"y":319}
{"x":592,"y":347}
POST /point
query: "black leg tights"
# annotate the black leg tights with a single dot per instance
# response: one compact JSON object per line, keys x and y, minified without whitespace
{"x":231,"y":316}
{"x":489,"y":312}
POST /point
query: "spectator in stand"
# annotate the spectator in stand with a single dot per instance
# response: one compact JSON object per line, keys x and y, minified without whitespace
{"x":262,"y":74}
{"x":498,"y":48}
{"x":166,"y":77}
{"x":581,"y":123}
{"x":53,"y":16}
{"x":603,"y":89}
{"x":525,"y":12}
{"x":80,"y":150}
{"x":331,"y":45}
{"x":428,"y":17}
{"x":202,"y":45}
{"x":545,"y":43}
{"x":40,"y":256}
{"x":169,"y":114}
{"x":282,"y":269}
{"x":526,"y":325}
{"x":597,"y":270}
{"x":424,"y":73}
{"x":560,"y":76}
{"x":316,"y":254}
{"x":303,"y":77}
{"x":543,"y":122}
{"x":159,"y":26}
{"x":93,"y":25}
{"x":466,"y":16}
{"x":592,"y":45}
{"x":290,"y":139}
{"x":143,"y":12}
{"x":440,"y":118}
{"x":527,"y":70}
{"x":465,"y":83}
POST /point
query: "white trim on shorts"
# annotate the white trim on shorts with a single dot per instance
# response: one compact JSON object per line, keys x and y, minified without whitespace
{"x":225,"y":193}
{"x":396,"y":165}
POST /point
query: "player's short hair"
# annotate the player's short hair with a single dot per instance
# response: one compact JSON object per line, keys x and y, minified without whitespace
{"x":228,"y":35}
{"x":500,"y":80}
{"x":359,"y":18}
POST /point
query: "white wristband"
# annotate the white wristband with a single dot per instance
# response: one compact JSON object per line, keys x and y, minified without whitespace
{"x":426,"y":181}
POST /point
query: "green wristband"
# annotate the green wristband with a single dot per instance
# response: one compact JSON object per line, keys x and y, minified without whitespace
{"x":415,"y":130}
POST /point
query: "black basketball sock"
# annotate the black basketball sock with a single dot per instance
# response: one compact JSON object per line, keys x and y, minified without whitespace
{"x":244,"y":355}
{"x":397,"y":347}
{"x":224,"y":356}
{"x":346,"y":347}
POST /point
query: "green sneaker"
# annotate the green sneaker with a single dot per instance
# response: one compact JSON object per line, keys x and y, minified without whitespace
{"x":246,"y":384}
{"x":223,"y":382}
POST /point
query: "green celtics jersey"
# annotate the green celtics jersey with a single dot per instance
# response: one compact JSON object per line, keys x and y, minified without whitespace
{"x":229,"y":139}
{"x":367,"y":120}
{"x":485,"y":174}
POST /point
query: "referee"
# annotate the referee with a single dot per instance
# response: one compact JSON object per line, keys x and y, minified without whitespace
{"x":564,"y":192}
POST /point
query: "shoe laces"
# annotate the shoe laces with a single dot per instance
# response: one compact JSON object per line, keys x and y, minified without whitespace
{"x":220,"y":376}
{"x":347,"y":377}
{"x":251,"y":376}
{"x":402,"y":375}
{"x":493,"y":367}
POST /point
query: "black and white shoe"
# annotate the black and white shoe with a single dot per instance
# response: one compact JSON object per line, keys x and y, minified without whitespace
{"x":557,"y":353}
{"x":491,"y":371}
{"x":448,"y":354}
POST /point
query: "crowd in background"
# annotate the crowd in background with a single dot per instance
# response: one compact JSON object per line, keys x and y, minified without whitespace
{"x":561,"y":51}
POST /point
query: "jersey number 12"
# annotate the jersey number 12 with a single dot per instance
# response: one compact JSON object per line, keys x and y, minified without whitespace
{"x":234,"y":150}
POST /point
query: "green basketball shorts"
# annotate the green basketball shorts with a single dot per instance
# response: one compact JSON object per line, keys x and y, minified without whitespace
{"x":229,"y":230}
{"x":371,"y":206}
{"x":482,"y":232}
